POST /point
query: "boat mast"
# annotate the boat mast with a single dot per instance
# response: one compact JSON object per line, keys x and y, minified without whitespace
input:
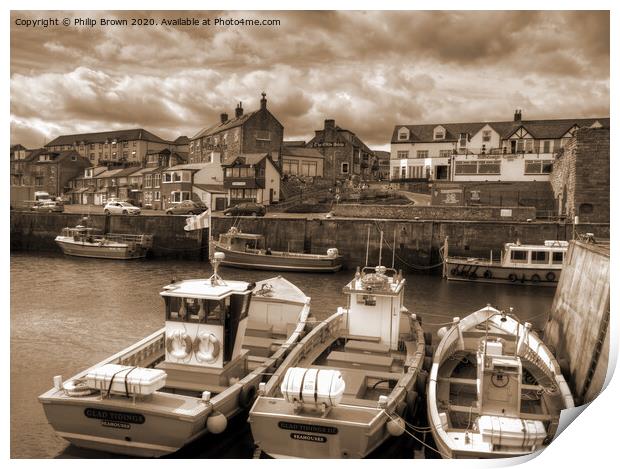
{"x":394,"y":248}
{"x":367,"y":244}
{"x":380,"y":247}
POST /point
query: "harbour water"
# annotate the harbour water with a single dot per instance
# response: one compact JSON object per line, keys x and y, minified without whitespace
{"x":68,"y":313}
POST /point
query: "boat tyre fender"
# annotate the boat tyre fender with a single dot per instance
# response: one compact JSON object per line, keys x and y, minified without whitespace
{"x":246,"y":396}
{"x":175,"y":339}
{"x":420,"y":382}
{"x":488,"y":274}
{"x":412,"y":404}
{"x":427,"y":364}
{"x":535,"y":278}
{"x":454,"y":271}
{"x":550,"y":276}
{"x":512,"y":277}
{"x":473,"y":275}
{"x":206,"y":347}
{"x":428,"y":350}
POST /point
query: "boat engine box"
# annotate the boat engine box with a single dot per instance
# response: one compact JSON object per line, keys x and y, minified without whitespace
{"x":128,"y":380}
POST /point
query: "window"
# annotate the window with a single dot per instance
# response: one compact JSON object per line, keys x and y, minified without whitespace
{"x":466,"y":167}
{"x":395,"y":171}
{"x":538,"y":166}
{"x":344,"y":168}
{"x":489,"y":167}
{"x":439,"y":133}
{"x":547,"y":146}
{"x":402,"y":155}
{"x":520,"y":145}
{"x":403,"y":134}
{"x":422,"y":154}
{"x":91,"y":156}
{"x":125,"y":144}
{"x":308,"y":168}
{"x":463,"y":140}
{"x":156,"y":195}
{"x":445,"y":153}
{"x":135,"y":143}
{"x":486,"y":135}
{"x":156,"y":180}
{"x":92,"y":146}
{"x":125,"y":155}
{"x":540,"y":257}
{"x":148,"y":180}
{"x":557,"y":258}
{"x":290,"y":167}
{"x":263,"y":135}
{"x":167,"y":177}
{"x":518,"y":256}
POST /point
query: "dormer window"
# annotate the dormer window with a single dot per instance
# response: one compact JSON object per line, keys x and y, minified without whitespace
{"x":403,"y":134}
{"x":439,"y":133}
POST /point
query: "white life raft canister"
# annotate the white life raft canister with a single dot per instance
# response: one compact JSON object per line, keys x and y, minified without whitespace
{"x":313,"y":386}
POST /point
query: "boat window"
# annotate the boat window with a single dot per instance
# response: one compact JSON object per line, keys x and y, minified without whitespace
{"x":518,"y":256}
{"x":540,"y":257}
{"x":367,"y":300}
{"x":214,"y":311}
{"x":173,"y":307}
{"x":195,"y":311}
{"x":558,"y":257}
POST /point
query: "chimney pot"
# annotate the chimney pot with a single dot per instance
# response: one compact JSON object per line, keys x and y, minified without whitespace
{"x":517,"y":115}
{"x":330,"y":123}
{"x":238,"y":110}
{"x":224,"y":117}
{"x":263,"y":101}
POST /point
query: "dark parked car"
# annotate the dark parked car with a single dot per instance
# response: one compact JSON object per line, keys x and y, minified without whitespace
{"x":246,"y":208}
{"x":187,"y":207}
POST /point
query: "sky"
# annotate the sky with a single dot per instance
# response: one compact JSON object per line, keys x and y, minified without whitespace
{"x":370,"y":71}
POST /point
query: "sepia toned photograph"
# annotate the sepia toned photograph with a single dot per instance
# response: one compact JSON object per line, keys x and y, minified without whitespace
{"x":326,"y":234}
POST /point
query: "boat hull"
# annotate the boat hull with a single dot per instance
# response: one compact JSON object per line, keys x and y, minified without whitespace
{"x":486,"y":273}
{"x":105,"y":251}
{"x":289,"y":263}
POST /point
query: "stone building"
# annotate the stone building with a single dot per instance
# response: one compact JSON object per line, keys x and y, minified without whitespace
{"x":581,"y":177}
{"x":255,"y":132}
{"x":114,"y":146}
{"x":346,"y":156}
{"x":297,"y":160}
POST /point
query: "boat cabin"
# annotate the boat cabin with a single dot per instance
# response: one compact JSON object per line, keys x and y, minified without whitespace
{"x":550,"y":254}
{"x":206,"y":321}
{"x":375,"y":300}
{"x":242,"y":242}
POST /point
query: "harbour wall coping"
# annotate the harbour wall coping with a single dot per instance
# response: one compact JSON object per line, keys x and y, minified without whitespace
{"x":435,"y":212}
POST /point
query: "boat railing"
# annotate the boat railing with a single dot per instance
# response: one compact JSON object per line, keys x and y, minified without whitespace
{"x":142,"y":240}
{"x":285,"y":253}
{"x":476,"y":259}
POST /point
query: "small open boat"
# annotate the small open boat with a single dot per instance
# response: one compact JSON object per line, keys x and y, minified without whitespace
{"x":495,"y":389}
{"x":83,"y":241}
{"x":248,"y":250}
{"x":529,"y":264}
{"x":187,"y":379}
{"x":345,"y":388}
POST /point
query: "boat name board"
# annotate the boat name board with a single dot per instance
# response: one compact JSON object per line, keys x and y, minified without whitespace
{"x":302,"y":427}
{"x":306,"y":437}
{"x":113,"y":416}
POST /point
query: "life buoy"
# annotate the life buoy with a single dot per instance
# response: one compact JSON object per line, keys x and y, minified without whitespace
{"x":206,"y":347}
{"x":77,"y":388}
{"x":246,"y":396}
{"x":535,"y":278}
{"x":488,"y":274}
{"x":178,"y":345}
{"x":512,"y":277}
{"x":550,"y":276}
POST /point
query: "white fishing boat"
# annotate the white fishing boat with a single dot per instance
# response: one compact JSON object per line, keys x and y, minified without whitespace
{"x":247,"y":250}
{"x":351,"y":382}
{"x":83,"y":241}
{"x":189,"y":378}
{"x":529,"y":264}
{"x":495,"y":390}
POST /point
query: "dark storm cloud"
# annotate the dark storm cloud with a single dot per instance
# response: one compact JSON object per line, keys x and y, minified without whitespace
{"x":368,"y":70}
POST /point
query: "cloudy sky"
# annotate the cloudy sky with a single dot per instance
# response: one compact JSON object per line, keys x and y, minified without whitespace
{"x":368,"y":70}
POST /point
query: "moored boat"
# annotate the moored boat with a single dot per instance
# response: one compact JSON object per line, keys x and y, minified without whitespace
{"x":246,"y":250}
{"x":190,"y":377}
{"x":529,"y":264}
{"x":351,"y":382}
{"x":495,"y":390}
{"x":83,"y":241}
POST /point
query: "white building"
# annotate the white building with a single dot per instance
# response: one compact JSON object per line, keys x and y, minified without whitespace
{"x":516,"y":150}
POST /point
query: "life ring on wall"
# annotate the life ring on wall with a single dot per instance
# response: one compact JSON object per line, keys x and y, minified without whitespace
{"x":550,"y":276}
{"x":488,"y":274}
{"x":206,"y":347}
{"x":512,"y":277}
{"x":535,"y":278}
{"x":178,"y":345}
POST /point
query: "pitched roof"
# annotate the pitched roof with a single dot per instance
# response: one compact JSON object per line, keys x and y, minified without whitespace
{"x":182,"y":140}
{"x":190,"y":166}
{"x":248,"y":158}
{"x":544,"y":128}
{"x":343,"y":134}
{"x":229,"y":124}
{"x":301,"y":152}
{"x":55,"y":155}
{"x":101,"y":137}
{"x":211,"y":188}
{"x":109,"y":173}
{"x":293,"y":143}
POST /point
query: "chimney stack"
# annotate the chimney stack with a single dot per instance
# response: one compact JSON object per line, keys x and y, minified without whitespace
{"x":330,"y":123}
{"x":238,"y":111}
{"x":224,"y":118}
{"x":263,"y":101}
{"x":517,"y":115}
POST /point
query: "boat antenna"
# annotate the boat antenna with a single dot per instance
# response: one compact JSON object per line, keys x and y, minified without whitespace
{"x":380,"y":247}
{"x":367,"y":244}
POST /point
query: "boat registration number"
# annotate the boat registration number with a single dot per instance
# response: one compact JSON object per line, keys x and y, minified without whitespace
{"x":116,"y":419}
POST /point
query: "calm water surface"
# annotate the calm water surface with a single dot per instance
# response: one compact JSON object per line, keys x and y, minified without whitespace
{"x":69,"y":313}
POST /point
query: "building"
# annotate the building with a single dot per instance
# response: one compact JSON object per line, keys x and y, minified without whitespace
{"x":180,"y":183}
{"x":83,"y":187}
{"x":255,"y":132}
{"x":346,"y":156}
{"x":297,"y":160}
{"x":253,"y":177}
{"x":114,"y":146}
{"x":581,"y":176}
{"x":381,"y":165}
{"x":517,"y":150}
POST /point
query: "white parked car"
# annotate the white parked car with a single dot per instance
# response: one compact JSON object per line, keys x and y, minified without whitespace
{"x":120,"y":208}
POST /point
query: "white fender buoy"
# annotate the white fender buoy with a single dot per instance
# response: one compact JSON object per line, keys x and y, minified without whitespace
{"x":442,"y":331}
{"x":396,"y":427}
{"x":217,"y":422}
